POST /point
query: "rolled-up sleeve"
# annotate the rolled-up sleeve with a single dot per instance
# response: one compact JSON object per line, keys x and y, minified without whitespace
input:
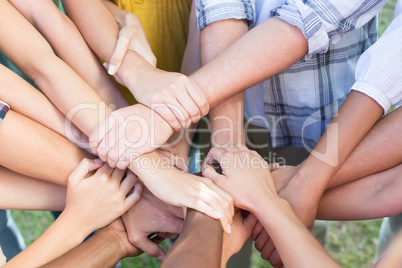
{"x":378,"y":71}
{"x":4,"y":108}
{"x":325,"y":21}
{"x":209,"y":11}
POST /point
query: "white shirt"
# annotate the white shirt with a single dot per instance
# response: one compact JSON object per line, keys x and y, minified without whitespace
{"x":379,"y":69}
{"x":2,"y":258}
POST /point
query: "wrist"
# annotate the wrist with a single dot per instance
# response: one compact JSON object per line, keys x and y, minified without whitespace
{"x":134,"y":69}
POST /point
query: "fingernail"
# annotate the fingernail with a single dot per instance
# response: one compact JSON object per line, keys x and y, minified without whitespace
{"x":106,"y":65}
{"x":228,"y":229}
{"x":98,"y":161}
{"x":161,"y":258}
{"x":218,"y":214}
{"x":112,"y":69}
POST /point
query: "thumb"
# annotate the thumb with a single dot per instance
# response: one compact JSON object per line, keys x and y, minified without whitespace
{"x":83,"y":168}
{"x":122,"y":45}
{"x":210,"y":173}
{"x":152,"y":249}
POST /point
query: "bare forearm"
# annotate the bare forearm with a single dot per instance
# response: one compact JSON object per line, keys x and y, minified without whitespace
{"x":28,"y":101}
{"x":76,"y":52}
{"x":248,"y":62}
{"x":227,"y":117}
{"x":101,"y":250}
{"x":34,"y":56}
{"x":50,"y":156}
{"x":371,"y":197}
{"x":354,"y":119}
{"x":26,"y":193}
{"x":48,"y":247}
{"x":378,"y":151}
{"x":208,"y":249}
{"x":296,"y":246}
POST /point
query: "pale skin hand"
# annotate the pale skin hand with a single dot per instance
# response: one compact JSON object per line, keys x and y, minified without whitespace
{"x":132,"y":36}
{"x":292,"y":239}
{"x":107,"y":189}
{"x":189,"y":190}
{"x":182,"y":98}
{"x":21,"y":192}
{"x":42,"y":14}
{"x":233,"y":174}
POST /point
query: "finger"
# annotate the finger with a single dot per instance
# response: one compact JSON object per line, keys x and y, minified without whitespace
{"x":267,"y":250}
{"x":119,"y":52}
{"x":180,"y":112}
{"x":151,"y":249}
{"x":190,"y":106}
{"x":167,"y":114}
{"x":275,"y":259}
{"x":104,"y":170}
{"x":229,"y":204}
{"x":215,"y":201}
{"x":262,"y":240}
{"x":121,"y":145}
{"x":84,"y":167}
{"x":214,"y":154}
{"x":126,"y":146}
{"x":257,"y":230}
{"x":98,"y":134}
{"x":132,"y":198}
{"x":198,"y":96}
{"x":117,"y":174}
{"x":210,"y":173}
{"x":107,"y":131}
{"x":128,"y":183}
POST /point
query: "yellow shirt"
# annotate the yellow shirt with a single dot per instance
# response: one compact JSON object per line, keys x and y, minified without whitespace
{"x":166,"y":25}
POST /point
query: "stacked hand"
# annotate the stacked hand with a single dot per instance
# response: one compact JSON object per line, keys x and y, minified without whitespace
{"x":96,"y":198}
{"x":184,"y":190}
{"x":128,"y":133}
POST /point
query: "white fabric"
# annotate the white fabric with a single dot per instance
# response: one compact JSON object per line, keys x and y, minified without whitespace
{"x":2,"y":258}
{"x":254,"y":106}
{"x":379,"y":69}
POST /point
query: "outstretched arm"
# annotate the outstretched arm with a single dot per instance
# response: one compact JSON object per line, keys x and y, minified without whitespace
{"x":21,"y":192}
{"x":104,"y":249}
{"x":92,"y":202}
{"x":296,"y":246}
{"x":56,"y":27}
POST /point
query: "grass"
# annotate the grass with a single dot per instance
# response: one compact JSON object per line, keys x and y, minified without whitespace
{"x":352,"y":244}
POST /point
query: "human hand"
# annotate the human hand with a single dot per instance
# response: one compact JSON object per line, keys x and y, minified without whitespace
{"x":174,"y":96}
{"x":150,"y":216}
{"x":184,"y":190}
{"x":245,"y":175}
{"x":117,"y":229}
{"x":131,"y":37}
{"x":263,"y":243}
{"x":242,"y":227}
{"x":128,"y":133}
{"x":171,"y":156}
{"x":96,"y":198}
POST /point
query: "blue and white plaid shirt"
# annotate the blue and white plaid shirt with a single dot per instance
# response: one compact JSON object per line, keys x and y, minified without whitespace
{"x":300,"y":102}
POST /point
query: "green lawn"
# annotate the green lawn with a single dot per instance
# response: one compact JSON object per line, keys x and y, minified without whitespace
{"x":352,"y":244}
